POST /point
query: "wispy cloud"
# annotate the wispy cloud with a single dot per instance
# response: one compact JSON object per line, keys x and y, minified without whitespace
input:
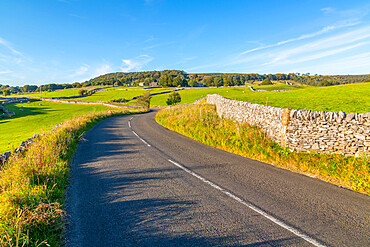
{"x":328,"y":10}
{"x":6,"y":72}
{"x":325,"y":45}
{"x":158,"y":45}
{"x":136,"y":63}
{"x":7,"y":45}
{"x":101,"y":70}
{"x":326,"y":29}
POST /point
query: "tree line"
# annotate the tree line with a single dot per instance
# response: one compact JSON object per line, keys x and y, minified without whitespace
{"x":179,"y":78}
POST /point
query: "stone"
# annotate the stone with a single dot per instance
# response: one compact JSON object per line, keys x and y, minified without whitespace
{"x":350,"y":117}
{"x":359,"y":136}
{"x":315,"y":146}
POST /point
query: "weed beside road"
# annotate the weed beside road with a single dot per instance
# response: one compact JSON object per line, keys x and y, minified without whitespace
{"x":201,"y":123}
{"x":33,"y":184}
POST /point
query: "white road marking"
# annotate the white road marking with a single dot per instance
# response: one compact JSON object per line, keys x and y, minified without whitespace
{"x":141,"y":139}
{"x":249,"y":205}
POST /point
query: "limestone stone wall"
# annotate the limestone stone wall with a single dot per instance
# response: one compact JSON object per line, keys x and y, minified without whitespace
{"x":300,"y":130}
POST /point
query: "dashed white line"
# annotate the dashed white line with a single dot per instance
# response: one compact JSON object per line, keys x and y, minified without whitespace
{"x":249,"y":205}
{"x":141,"y":139}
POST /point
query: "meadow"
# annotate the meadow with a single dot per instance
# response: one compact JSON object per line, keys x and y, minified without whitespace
{"x":36,"y":118}
{"x":107,"y":95}
{"x":57,"y":93}
{"x":347,"y":98}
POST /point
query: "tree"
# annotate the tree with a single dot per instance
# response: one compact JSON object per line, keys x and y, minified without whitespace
{"x":144,"y":101}
{"x":266,"y":82}
{"x":6,"y":92}
{"x":218,"y":82}
{"x":193,"y":83}
{"x":173,"y":98}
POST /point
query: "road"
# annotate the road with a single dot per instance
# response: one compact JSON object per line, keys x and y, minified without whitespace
{"x":135,"y":183}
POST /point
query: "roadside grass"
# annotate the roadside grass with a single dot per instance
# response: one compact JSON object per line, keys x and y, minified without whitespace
{"x":33,"y":184}
{"x":347,"y":98}
{"x":201,"y":123}
{"x":36,"y":118}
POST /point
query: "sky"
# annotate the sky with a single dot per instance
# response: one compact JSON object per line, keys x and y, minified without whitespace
{"x":66,"y":41}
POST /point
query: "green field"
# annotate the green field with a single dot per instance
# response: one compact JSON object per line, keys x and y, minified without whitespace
{"x":347,"y":98}
{"x":56,"y":93}
{"x":119,"y":94}
{"x":277,"y":87}
{"x":36,"y":118}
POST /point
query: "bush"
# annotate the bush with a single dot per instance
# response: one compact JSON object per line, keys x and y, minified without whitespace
{"x":82,"y":92}
{"x":144,"y":101}
{"x":266,"y":81}
{"x":121,"y":100}
{"x":173,"y":99}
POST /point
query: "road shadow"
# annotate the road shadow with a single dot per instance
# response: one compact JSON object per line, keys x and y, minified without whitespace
{"x":120,"y":197}
{"x":118,"y":209}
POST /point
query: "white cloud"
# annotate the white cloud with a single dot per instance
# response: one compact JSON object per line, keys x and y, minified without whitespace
{"x":101,"y":70}
{"x":337,"y":41}
{"x":82,"y":70}
{"x":6,"y":72}
{"x":136,"y":63}
{"x":326,"y":29}
{"x":328,"y":10}
{"x":7,"y":45}
{"x":308,"y":57}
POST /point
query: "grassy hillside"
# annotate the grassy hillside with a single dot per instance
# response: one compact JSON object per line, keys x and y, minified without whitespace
{"x":35,"y":119}
{"x":347,"y":98}
{"x":118,"y":94}
{"x":56,"y":93}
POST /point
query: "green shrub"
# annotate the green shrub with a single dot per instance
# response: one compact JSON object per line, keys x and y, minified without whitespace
{"x":173,"y":98}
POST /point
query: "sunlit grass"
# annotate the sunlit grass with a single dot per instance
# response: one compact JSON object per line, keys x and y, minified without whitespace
{"x":32,"y":185}
{"x":118,"y":94}
{"x":36,"y":118}
{"x":201,"y":123}
{"x":347,"y":98}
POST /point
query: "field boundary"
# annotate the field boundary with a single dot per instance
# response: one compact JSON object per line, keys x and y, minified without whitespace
{"x":302,"y":130}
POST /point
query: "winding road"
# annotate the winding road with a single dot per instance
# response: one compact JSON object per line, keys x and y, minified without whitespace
{"x":135,"y":183}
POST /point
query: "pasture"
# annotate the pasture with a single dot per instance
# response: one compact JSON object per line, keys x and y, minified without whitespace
{"x":107,"y":95}
{"x":36,"y":118}
{"x":347,"y":98}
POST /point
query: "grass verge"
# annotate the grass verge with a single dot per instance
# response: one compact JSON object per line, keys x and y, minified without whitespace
{"x":201,"y":123}
{"x":32,"y":184}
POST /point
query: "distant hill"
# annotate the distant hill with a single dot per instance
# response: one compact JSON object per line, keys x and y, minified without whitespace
{"x":179,"y":78}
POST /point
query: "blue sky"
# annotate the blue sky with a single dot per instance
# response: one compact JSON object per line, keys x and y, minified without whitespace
{"x":63,"y":41}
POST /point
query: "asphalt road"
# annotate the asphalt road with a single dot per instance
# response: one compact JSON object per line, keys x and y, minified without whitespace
{"x":135,"y":183}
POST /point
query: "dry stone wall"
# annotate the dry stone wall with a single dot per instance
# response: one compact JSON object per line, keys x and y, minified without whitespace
{"x":301,"y":130}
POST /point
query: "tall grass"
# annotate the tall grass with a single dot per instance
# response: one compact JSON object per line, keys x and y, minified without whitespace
{"x":201,"y":123}
{"x":32,"y":185}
